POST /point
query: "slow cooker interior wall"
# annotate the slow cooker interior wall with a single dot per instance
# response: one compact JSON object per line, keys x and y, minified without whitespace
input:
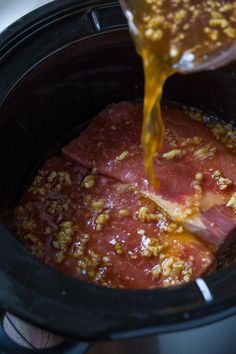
{"x":76,"y":83}
{"x":57,"y":96}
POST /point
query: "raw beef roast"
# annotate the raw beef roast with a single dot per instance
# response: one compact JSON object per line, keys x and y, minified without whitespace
{"x":196,"y":166}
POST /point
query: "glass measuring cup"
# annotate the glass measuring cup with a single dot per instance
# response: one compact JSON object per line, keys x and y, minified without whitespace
{"x":191,"y":60}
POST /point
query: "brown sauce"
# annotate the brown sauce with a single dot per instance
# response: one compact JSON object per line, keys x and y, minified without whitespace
{"x":174,"y":36}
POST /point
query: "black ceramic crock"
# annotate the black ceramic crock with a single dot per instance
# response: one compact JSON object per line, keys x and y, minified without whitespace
{"x":60,"y":65}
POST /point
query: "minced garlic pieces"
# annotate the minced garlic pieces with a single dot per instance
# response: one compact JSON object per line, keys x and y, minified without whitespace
{"x":118,"y":248}
{"x":205,"y":152}
{"x":88,"y":182}
{"x":198,"y":176}
{"x":195,"y":140}
{"x":196,"y":183}
{"x":171,"y":20}
{"x":143,"y":214}
{"x":79,"y":247}
{"x":173,"y":270}
{"x":217,"y":173}
{"x":52,"y":176}
{"x":151,"y":247}
{"x":174,"y":228}
{"x":101,"y":220}
{"x":122,"y":156}
{"x":52,"y":181}
{"x":89,"y":265}
{"x":226,"y":133}
{"x":232,"y":202}
{"x":31,"y":237}
{"x":97,"y":205}
{"x":64,"y":177}
{"x":173,"y":154}
{"x":222,"y":182}
{"x":230,"y":32}
{"x":64,"y":236}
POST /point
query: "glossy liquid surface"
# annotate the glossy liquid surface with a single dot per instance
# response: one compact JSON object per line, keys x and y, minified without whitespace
{"x":175,"y":36}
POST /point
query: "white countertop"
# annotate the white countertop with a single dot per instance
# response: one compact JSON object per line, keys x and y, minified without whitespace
{"x":11,"y":10}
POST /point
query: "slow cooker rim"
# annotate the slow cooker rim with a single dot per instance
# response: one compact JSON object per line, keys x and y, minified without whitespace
{"x":6,"y":277}
{"x":37,"y":18}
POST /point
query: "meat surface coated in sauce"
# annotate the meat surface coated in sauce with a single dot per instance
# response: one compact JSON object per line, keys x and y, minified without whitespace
{"x":96,"y":229}
{"x":93,"y":215}
{"x":196,"y":166}
{"x":172,"y":36}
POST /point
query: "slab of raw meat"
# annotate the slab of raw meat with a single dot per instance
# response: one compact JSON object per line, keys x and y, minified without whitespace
{"x":196,"y":167}
{"x":97,"y":229}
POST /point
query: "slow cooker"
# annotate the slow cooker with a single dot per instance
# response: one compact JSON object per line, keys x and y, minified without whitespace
{"x":59,"y":66}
